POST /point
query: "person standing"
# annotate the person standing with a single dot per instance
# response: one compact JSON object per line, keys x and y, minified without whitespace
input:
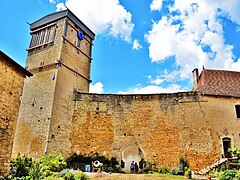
{"x":135,"y":168}
{"x":132,"y":167}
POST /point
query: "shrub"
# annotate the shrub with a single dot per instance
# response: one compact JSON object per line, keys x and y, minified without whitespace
{"x":146,"y":166}
{"x":20,"y":167}
{"x":79,"y":162}
{"x":53,"y":162}
{"x":70,"y":174}
{"x":82,"y":176}
{"x":188,"y":172}
{"x":234,"y":151}
{"x":24,"y":168}
{"x":182,"y":166}
{"x":163,"y":170}
{"x":35,"y":171}
{"x":237,"y":175}
{"x":227,"y":175}
{"x":211,"y":175}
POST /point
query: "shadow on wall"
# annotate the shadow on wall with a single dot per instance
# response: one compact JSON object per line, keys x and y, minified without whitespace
{"x":129,"y":154}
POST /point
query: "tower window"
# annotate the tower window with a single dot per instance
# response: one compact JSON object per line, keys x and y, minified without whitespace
{"x":78,"y":45}
{"x":65,"y":31}
{"x":237,"y":108}
{"x":43,"y":36}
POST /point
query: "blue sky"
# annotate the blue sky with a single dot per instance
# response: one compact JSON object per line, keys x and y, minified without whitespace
{"x":144,"y":46}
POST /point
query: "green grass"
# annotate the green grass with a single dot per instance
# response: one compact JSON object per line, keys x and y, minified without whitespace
{"x":117,"y":176}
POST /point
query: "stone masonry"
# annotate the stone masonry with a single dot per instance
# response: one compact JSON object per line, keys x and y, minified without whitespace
{"x":11,"y":85}
{"x":164,"y":126}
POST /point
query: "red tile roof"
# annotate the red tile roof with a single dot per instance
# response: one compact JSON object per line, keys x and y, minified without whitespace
{"x":219,"y":82}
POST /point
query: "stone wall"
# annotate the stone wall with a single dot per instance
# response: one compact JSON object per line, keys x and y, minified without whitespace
{"x":164,"y":127}
{"x":11,"y":84}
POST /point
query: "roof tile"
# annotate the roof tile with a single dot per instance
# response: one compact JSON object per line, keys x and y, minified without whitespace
{"x":219,"y":82}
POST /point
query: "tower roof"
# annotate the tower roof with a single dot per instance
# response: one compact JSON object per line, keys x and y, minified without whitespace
{"x":59,"y":15}
{"x":219,"y":82}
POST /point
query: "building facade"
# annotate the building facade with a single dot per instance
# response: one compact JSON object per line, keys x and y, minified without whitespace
{"x":57,"y":112}
{"x":11,"y":85}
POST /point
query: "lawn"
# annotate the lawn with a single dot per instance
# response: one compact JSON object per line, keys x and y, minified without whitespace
{"x":117,"y":176}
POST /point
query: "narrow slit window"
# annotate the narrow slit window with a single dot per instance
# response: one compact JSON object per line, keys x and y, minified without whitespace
{"x":78,"y":44}
{"x":237,"y":108}
{"x":65,"y":29}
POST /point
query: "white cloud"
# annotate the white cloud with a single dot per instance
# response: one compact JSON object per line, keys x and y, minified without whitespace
{"x":60,"y":6}
{"x":156,"y":5}
{"x":164,"y":77}
{"x":193,"y":34}
{"x":52,"y":1}
{"x":136,"y":45}
{"x":104,"y":17}
{"x":231,"y":8}
{"x":96,"y":88}
{"x":163,"y":83}
{"x":153,"y":89}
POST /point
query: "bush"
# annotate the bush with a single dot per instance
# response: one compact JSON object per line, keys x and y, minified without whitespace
{"x":70,"y":174}
{"x":163,"y":170}
{"x":53,"y":162}
{"x":20,"y":167}
{"x":237,"y":175}
{"x":211,"y":175}
{"x":146,"y":166}
{"x":35,"y":171}
{"x":82,"y":176}
{"x":188,"y":172}
{"x":235,"y":151}
{"x":24,"y":168}
{"x":79,"y":162}
{"x":182,"y":166}
{"x":227,"y":175}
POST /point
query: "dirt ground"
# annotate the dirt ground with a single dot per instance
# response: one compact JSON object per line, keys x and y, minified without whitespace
{"x":116,"y":176}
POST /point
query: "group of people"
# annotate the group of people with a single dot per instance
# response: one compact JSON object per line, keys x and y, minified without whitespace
{"x":134,"y":167}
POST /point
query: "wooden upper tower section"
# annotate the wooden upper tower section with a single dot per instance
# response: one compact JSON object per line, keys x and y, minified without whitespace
{"x":61,"y":40}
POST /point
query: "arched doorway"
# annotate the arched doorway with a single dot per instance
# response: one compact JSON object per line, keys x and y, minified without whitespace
{"x":226,"y":145}
{"x":129,"y":154}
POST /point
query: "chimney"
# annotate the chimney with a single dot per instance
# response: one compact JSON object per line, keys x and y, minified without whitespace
{"x":195,"y":78}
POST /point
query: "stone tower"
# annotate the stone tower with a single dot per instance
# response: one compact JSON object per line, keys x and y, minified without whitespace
{"x":59,"y":57}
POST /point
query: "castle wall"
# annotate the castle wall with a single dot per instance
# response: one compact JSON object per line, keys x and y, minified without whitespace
{"x":164,"y":126}
{"x":11,"y":83}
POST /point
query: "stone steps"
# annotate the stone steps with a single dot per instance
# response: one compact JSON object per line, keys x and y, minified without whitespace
{"x":214,"y":165}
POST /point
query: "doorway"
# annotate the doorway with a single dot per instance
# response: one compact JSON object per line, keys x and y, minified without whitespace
{"x":226,"y":146}
{"x":129,"y":154}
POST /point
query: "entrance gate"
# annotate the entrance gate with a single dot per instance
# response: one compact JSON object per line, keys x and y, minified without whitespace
{"x":129,"y":154}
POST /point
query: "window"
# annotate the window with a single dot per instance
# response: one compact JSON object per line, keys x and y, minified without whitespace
{"x":78,"y":45}
{"x":43,"y":36}
{"x":65,"y":31}
{"x":237,"y":107}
